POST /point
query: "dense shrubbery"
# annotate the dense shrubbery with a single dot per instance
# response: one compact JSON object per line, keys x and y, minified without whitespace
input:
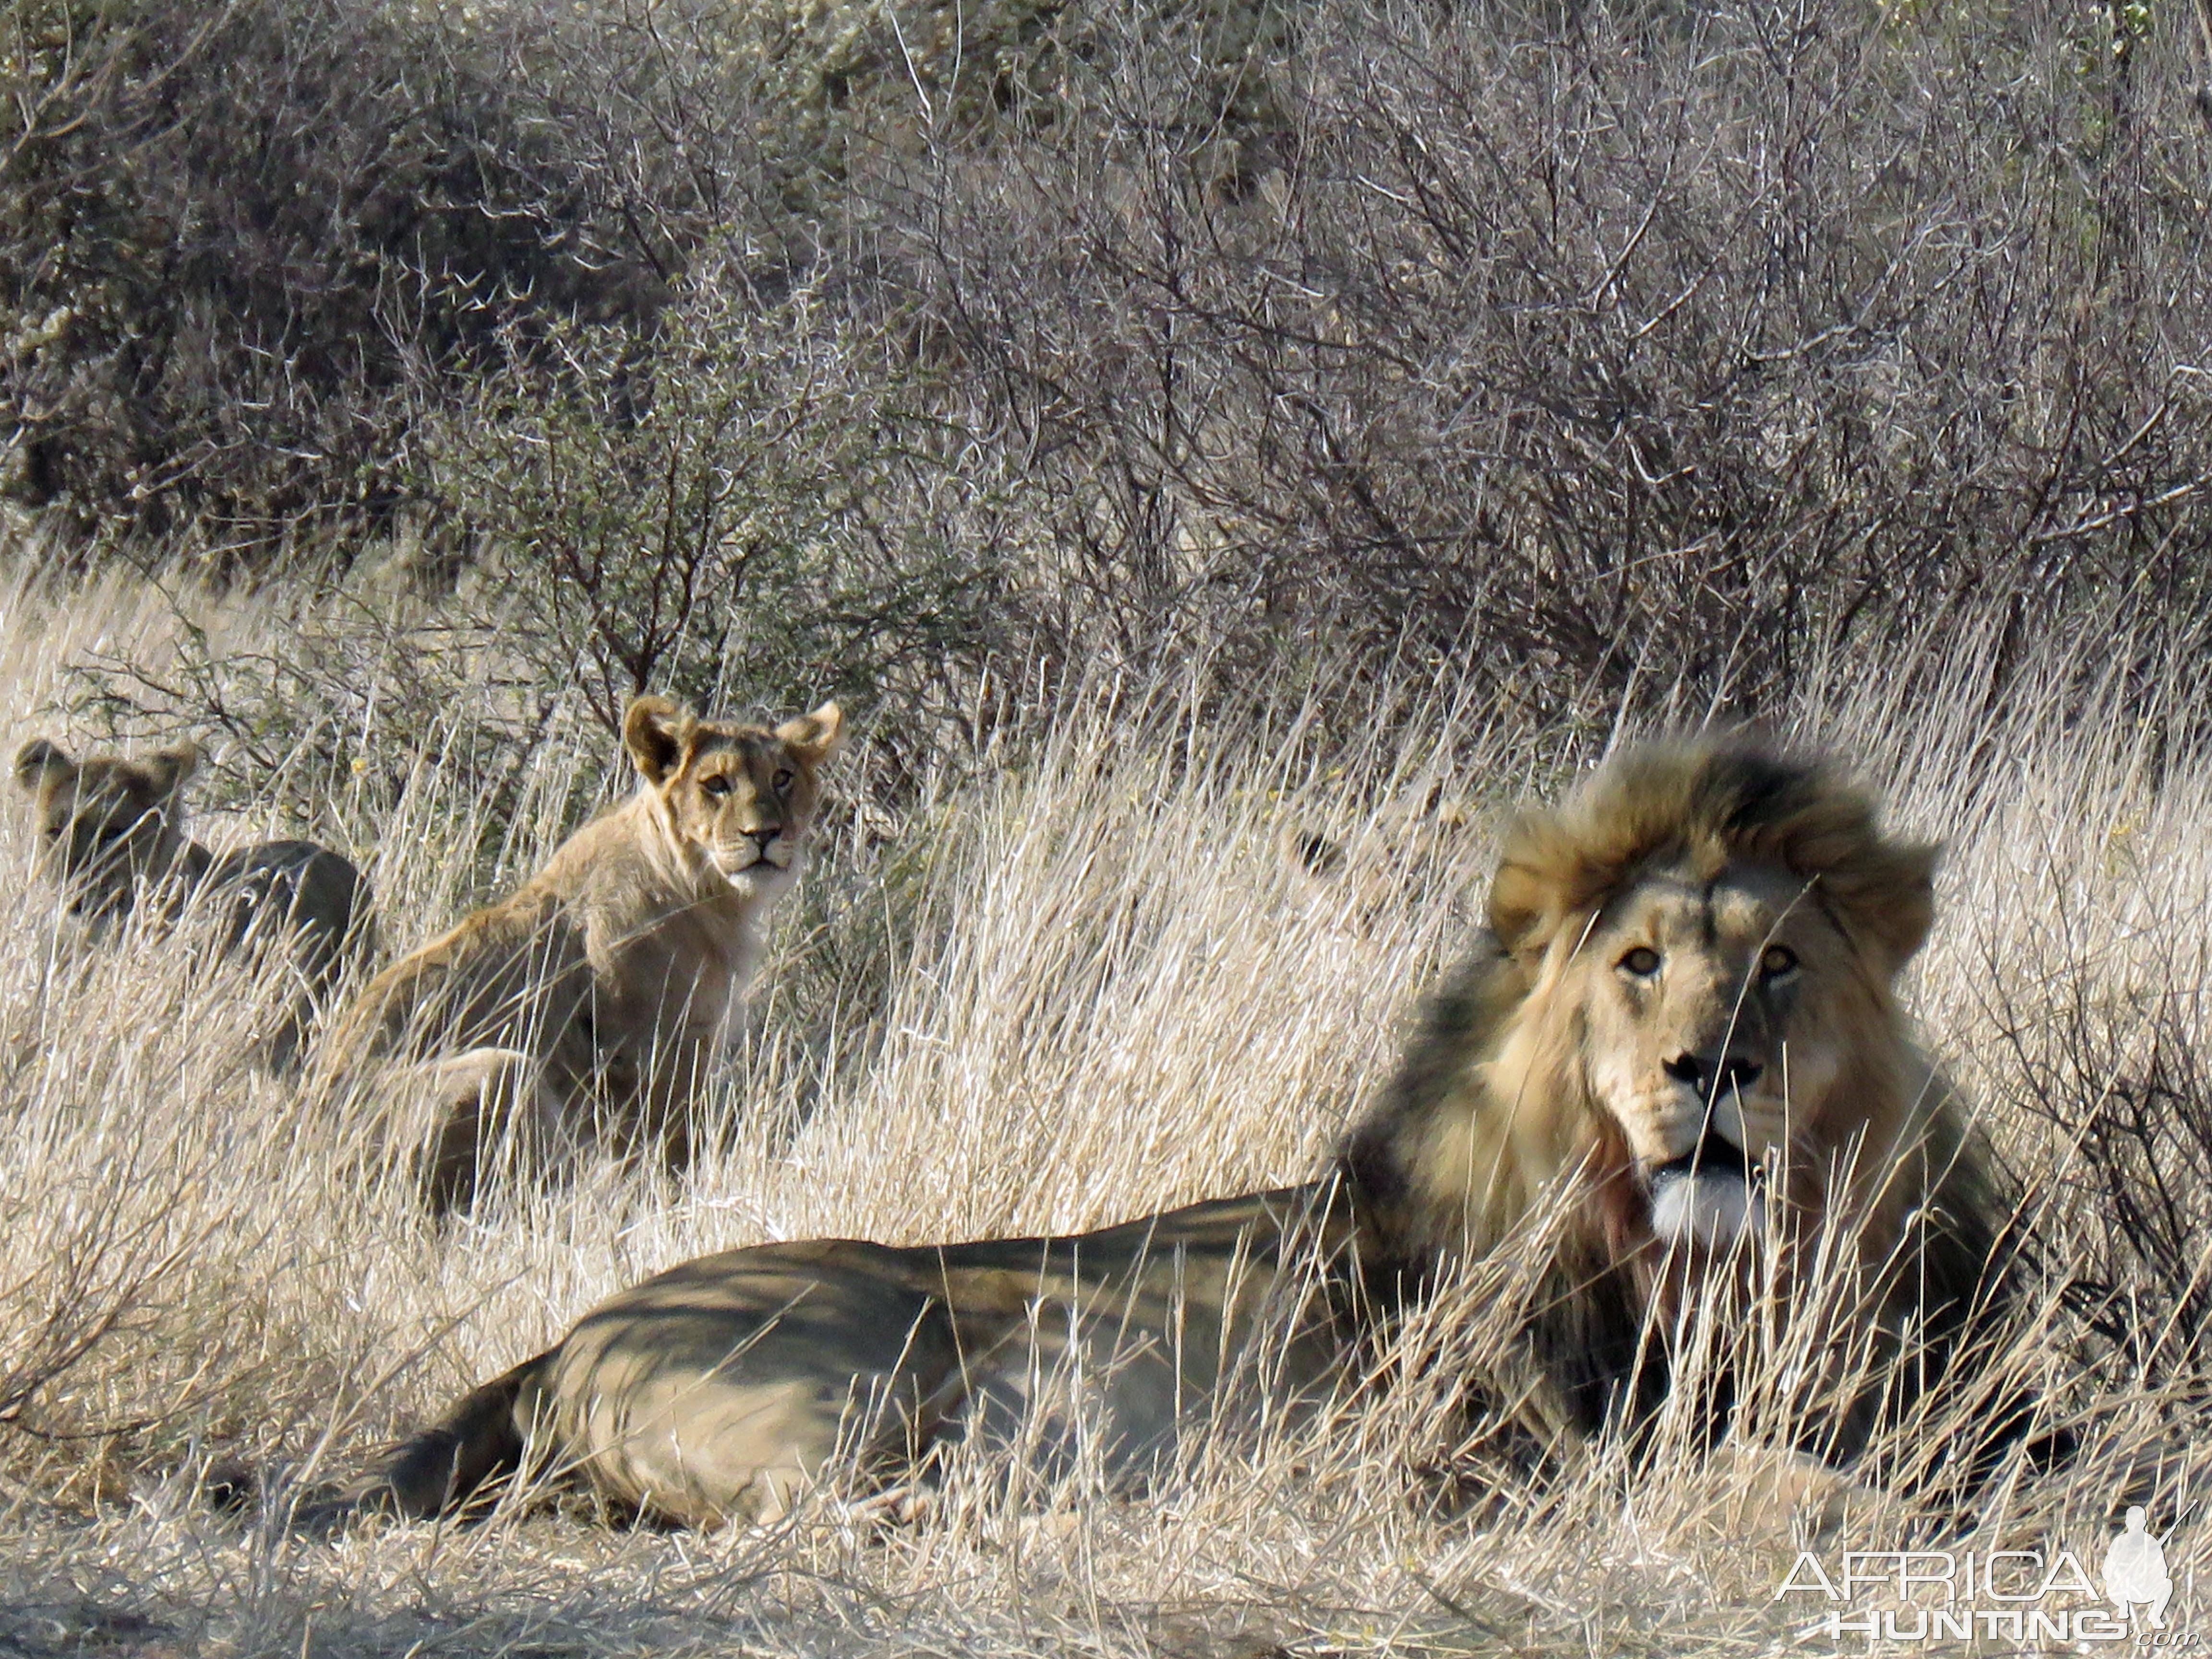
{"x":1639,"y":339}
{"x":224,"y":233}
{"x":751,"y":507}
{"x":1579,"y":349}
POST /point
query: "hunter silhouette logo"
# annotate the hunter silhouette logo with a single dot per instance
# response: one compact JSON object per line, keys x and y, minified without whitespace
{"x":2135,"y":1571}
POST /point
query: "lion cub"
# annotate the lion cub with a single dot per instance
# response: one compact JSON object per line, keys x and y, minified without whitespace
{"x":111,"y":838}
{"x":589,"y":1006}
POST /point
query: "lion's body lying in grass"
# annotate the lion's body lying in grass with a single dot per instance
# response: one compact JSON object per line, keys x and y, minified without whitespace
{"x":1680,"y":1025}
{"x":722,"y":1388}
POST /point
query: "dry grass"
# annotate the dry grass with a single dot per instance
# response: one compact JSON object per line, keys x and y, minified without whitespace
{"x":1088,"y":985}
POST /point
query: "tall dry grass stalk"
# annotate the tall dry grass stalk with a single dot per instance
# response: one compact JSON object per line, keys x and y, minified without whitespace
{"x":1164,"y":956}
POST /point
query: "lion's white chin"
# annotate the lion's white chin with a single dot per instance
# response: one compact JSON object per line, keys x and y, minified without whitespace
{"x":1708,"y":1209}
{"x":757,"y":880}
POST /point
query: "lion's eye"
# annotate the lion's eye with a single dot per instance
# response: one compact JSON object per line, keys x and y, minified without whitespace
{"x":1642,"y":962}
{"x":1777,"y":960}
{"x":783,"y":780}
{"x":716,"y":785}
{"x":53,"y":832}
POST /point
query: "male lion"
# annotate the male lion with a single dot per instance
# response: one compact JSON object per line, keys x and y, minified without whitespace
{"x":1680,"y":1025}
{"x":590,"y":1003}
{"x":111,"y":838}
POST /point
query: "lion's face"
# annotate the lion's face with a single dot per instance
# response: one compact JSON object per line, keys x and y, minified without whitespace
{"x":1717,"y":1014}
{"x":1673,"y":1071}
{"x":104,"y":824}
{"x":744,"y":797}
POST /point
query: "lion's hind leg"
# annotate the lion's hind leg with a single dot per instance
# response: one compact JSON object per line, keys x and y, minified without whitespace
{"x":491,"y":1115}
{"x":726,"y":1388}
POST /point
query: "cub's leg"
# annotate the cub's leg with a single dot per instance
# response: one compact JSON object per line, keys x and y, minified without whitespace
{"x":490,"y":1113}
{"x":306,"y":901}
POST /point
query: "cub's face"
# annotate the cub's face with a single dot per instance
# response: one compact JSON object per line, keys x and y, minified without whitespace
{"x":104,"y":824}
{"x":744,"y":796}
{"x":1716,"y":1015}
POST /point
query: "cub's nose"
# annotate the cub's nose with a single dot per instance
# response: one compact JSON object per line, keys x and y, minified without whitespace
{"x":761,"y":838}
{"x":1714,"y":1077}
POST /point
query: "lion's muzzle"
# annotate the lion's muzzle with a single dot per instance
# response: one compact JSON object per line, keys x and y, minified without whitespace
{"x":752,"y":850}
{"x":1706,"y":1196}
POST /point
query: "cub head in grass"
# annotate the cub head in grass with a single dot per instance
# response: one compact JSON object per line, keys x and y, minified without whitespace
{"x":109,"y":826}
{"x":737,"y":800}
{"x":111,"y":840}
{"x":1681,"y":1026}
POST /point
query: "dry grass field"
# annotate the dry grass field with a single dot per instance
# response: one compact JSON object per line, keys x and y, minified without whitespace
{"x":1062,"y":986}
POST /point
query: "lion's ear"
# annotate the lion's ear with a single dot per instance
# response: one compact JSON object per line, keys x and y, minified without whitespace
{"x":166,"y":769}
{"x":1530,"y":892}
{"x":1517,"y":907}
{"x":1886,"y":899}
{"x":39,"y":760}
{"x":655,"y":731}
{"x":815,"y":737}
{"x":1891,"y":902}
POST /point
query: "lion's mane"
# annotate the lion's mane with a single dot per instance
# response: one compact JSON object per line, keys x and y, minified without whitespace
{"x":1463,"y":1145}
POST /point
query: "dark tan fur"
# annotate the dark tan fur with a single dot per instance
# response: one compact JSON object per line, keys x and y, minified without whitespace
{"x":723,"y":1387}
{"x":719,"y":1389}
{"x":590,"y":1005}
{"x":111,"y":838}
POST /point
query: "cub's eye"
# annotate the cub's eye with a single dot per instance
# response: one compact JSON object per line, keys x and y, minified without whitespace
{"x":1777,"y":960}
{"x":1642,"y":962}
{"x":783,"y":780}
{"x":52,"y":832}
{"x":716,"y":785}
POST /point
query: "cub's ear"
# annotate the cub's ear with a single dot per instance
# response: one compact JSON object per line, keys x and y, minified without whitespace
{"x":38,"y":760}
{"x":815,"y":737}
{"x":166,"y":769}
{"x":655,"y":731}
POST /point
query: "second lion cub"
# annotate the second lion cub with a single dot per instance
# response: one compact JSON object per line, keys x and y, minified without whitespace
{"x":589,"y":1006}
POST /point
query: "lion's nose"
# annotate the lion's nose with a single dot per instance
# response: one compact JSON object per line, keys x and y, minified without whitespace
{"x":761,"y":838}
{"x":1713,"y":1078}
